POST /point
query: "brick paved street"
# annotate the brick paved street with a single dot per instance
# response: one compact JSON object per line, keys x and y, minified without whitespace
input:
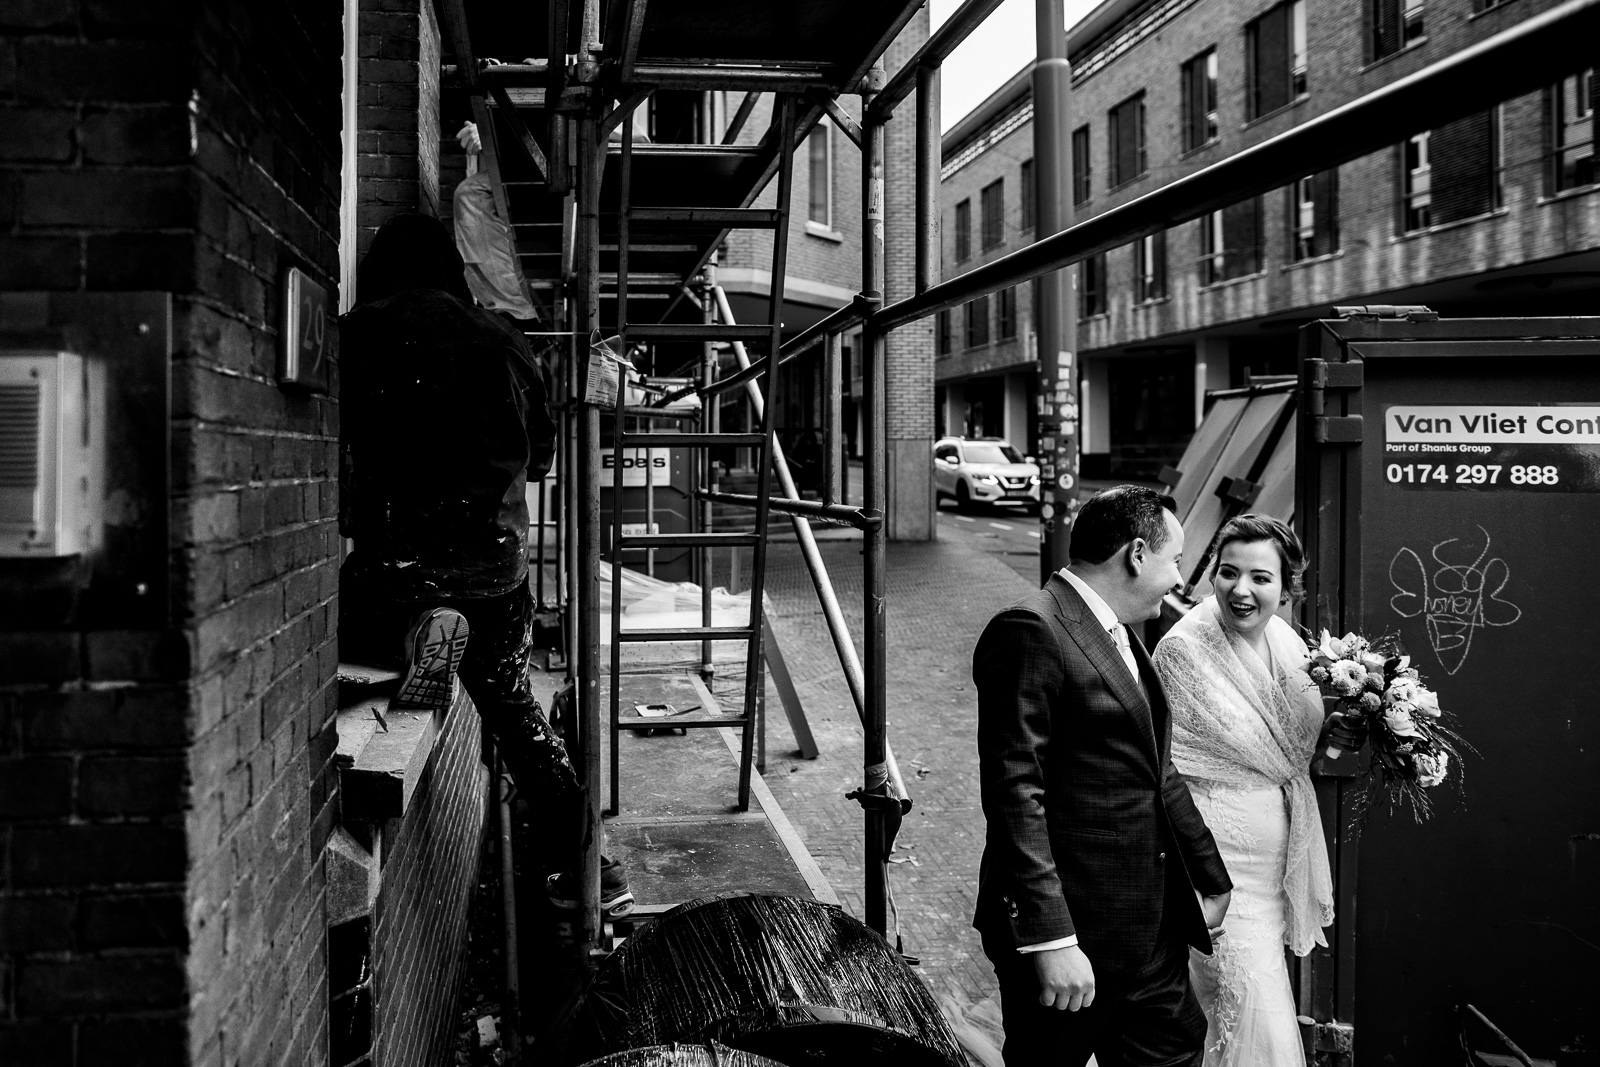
{"x":940,"y":596}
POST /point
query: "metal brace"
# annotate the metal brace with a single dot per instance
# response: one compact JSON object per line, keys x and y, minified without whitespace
{"x":1374,"y":312}
{"x":1241,"y":489}
{"x":1332,"y":1044}
{"x":1322,"y":376}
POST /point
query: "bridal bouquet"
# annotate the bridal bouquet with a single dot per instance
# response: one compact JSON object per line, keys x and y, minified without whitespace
{"x":1414,"y":748}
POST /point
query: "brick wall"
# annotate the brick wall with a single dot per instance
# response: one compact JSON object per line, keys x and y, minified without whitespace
{"x":1002,"y":161}
{"x":255,"y":489}
{"x":812,"y":256}
{"x":910,"y":349}
{"x":1374,"y":257}
{"x":430,"y":867}
{"x":160,"y":901}
{"x":397,"y":110}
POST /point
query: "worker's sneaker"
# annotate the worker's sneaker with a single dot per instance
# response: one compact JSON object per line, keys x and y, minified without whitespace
{"x":433,"y":649}
{"x":615,"y":898}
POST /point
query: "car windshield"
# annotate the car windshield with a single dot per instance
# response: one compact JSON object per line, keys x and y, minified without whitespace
{"x":990,"y":452}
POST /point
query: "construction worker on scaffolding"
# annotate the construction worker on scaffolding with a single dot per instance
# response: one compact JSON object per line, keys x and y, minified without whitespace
{"x":444,"y":420}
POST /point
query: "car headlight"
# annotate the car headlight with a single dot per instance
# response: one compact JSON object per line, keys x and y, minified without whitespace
{"x":986,"y":479}
{"x":1034,"y":480}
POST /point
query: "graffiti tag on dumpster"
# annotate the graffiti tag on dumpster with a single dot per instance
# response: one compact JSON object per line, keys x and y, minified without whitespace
{"x":1457,"y":593}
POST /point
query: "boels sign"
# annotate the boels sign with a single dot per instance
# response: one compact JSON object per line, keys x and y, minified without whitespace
{"x":635,"y":462}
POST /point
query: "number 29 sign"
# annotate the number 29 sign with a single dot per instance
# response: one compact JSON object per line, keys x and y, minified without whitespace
{"x":303,"y":341}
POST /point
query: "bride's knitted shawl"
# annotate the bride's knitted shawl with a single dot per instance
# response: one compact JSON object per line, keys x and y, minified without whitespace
{"x":1235,"y":724}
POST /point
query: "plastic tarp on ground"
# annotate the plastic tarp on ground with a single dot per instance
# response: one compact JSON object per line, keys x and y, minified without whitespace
{"x":652,"y":604}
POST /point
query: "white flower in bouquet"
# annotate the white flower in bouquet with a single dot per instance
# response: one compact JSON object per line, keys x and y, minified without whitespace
{"x":1431,"y":768}
{"x":1331,"y":647}
{"x":1348,"y":677}
{"x":1402,"y":691}
{"x":1427,"y":702}
{"x":1400,"y":722}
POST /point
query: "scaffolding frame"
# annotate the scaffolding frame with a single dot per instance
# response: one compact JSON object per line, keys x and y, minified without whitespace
{"x":607,"y":80}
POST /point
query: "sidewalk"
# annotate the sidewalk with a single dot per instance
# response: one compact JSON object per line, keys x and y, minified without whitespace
{"x":940,"y":595}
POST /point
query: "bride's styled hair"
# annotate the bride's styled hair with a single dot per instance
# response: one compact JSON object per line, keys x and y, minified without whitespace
{"x":1252,"y":528}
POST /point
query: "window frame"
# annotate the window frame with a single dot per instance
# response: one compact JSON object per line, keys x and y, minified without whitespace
{"x":1217,"y":262}
{"x":1150,"y":268}
{"x":1296,"y":73}
{"x":1006,"y":313}
{"x":1027,"y":196}
{"x":1304,"y":224}
{"x":1556,"y":127}
{"x":988,"y":239}
{"x":1082,"y":166}
{"x":1093,"y":298}
{"x":944,"y":333}
{"x":1200,"y":74}
{"x":977,"y":321}
{"x":1115,"y":122}
{"x":1409,"y":221}
{"x":963,"y":229}
{"x":825,"y":130}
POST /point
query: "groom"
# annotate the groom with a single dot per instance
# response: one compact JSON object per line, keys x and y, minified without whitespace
{"x":1098,"y":873}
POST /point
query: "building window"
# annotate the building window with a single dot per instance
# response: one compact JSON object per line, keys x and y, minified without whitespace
{"x":1314,"y":216}
{"x":992,"y":202}
{"x":978,"y":322}
{"x":1125,"y":141}
{"x":1572,"y":132}
{"x":1451,"y":173}
{"x":1275,"y":51}
{"x":1200,"y":100}
{"x":1396,"y":24}
{"x":964,"y":231}
{"x":945,"y":332}
{"x":1230,"y":242}
{"x":1027,"y":193}
{"x":1080,"y":165}
{"x":1092,"y":286}
{"x":1150,"y":267}
{"x":820,"y":143}
{"x":1006,"y":312}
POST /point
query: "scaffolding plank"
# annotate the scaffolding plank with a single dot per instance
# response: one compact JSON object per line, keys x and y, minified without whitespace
{"x":692,"y":440}
{"x":697,"y":331}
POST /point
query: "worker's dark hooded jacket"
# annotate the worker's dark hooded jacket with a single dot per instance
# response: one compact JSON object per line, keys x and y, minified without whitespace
{"x":443,"y":417}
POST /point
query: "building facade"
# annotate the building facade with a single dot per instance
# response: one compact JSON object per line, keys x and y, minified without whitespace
{"x":1490,"y":215}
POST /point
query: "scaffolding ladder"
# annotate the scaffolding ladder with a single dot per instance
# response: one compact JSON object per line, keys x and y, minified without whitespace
{"x":770,"y":335}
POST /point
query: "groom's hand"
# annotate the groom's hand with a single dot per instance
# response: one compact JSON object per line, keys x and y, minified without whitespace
{"x":1214,"y":909}
{"x":1066,"y":980}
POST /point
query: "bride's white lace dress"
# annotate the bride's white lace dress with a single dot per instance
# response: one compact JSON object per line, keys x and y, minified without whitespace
{"x":1243,"y":735}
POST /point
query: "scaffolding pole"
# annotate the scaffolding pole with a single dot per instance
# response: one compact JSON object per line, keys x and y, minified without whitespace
{"x":874,"y":620}
{"x":1054,"y":323}
{"x":587,"y":491}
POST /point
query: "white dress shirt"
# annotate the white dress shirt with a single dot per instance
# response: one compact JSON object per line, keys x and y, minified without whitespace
{"x":1119,"y":635}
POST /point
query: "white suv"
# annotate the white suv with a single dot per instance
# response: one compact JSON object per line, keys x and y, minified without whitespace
{"x":983,"y":470}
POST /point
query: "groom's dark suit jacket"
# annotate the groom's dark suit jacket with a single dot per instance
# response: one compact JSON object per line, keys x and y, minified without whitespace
{"x":1090,"y":829}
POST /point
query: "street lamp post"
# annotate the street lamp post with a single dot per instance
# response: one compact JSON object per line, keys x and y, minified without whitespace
{"x":1054,"y":328}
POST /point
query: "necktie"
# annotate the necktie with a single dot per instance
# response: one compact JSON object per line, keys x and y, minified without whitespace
{"x":1119,"y":635}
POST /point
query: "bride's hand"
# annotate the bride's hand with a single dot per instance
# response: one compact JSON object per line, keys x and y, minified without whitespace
{"x":1214,"y":909}
{"x":1342,"y":732}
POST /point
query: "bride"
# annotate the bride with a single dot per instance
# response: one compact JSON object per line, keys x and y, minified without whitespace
{"x":1246,"y":722}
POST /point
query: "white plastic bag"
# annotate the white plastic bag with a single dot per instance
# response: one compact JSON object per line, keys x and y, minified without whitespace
{"x":486,"y":246}
{"x":604,"y":373}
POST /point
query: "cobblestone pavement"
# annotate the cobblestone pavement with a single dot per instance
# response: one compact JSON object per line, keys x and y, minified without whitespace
{"x":940,"y":595}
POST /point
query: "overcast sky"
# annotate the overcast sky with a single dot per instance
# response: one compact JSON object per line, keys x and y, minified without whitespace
{"x":999,"y":48}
